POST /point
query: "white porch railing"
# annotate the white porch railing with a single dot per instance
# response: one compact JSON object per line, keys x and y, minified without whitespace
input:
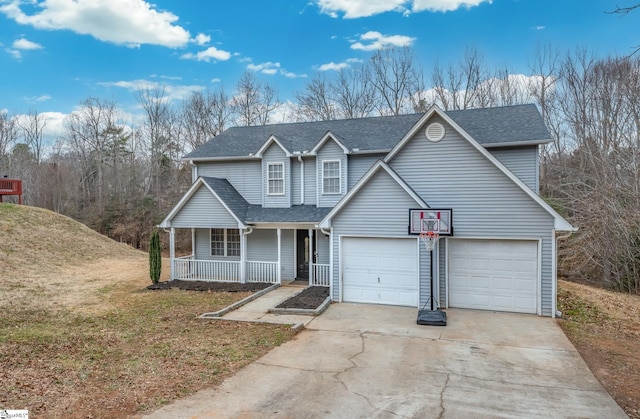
{"x":262,"y":271}
{"x":189,"y":269}
{"x":320,"y":274}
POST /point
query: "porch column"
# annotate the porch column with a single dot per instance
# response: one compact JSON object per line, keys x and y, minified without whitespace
{"x":243,"y":255}
{"x":311,"y":249}
{"x":193,"y":243}
{"x":172,"y":252}
{"x":279,"y":273}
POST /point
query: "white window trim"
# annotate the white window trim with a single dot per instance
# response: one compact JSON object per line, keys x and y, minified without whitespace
{"x":339,"y":177}
{"x":225,"y":241}
{"x":284,"y":183}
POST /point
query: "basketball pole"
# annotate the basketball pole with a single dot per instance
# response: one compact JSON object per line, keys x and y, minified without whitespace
{"x":431,"y":276}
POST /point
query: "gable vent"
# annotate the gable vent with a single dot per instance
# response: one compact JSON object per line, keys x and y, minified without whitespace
{"x":435,"y":132}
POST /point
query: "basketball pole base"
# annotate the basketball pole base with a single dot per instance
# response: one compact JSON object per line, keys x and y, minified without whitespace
{"x":432,"y":318}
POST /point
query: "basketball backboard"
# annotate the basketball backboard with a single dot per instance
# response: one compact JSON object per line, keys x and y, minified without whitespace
{"x":437,"y":220}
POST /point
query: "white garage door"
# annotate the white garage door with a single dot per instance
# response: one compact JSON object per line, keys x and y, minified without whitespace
{"x":380,"y":271}
{"x":499,"y":275}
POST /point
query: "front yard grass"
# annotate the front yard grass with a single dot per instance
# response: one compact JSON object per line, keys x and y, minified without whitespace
{"x":146,"y":349}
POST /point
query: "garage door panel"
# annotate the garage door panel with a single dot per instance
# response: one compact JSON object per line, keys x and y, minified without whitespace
{"x":493,"y":275}
{"x":381,"y":271}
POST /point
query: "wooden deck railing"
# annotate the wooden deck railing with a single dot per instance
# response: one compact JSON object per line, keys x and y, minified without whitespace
{"x":320,"y":274}
{"x":11,"y":187}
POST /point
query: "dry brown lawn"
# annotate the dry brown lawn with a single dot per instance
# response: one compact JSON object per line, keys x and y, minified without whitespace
{"x":80,"y":336}
{"x":604,"y":326}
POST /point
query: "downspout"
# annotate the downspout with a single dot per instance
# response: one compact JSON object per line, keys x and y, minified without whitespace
{"x":194,"y":171}
{"x":301,"y":179}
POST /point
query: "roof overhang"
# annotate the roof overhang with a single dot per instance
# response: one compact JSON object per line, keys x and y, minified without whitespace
{"x":516,"y":143}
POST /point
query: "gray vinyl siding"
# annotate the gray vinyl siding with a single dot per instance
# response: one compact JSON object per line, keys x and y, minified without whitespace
{"x":322,"y":243}
{"x":331,"y":151}
{"x":245,"y":176}
{"x":522,"y":161}
{"x":262,"y":245}
{"x":274,"y":154}
{"x":287,"y":258}
{"x":485,"y":202}
{"x":358,"y":166}
{"x":310,"y":184}
{"x":296,"y":186}
{"x":379,"y":209}
{"x":203,"y":246}
{"x":203,"y":210}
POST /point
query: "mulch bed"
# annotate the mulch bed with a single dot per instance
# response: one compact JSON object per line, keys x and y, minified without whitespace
{"x":309,"y":299}
{"x":210,"y":286}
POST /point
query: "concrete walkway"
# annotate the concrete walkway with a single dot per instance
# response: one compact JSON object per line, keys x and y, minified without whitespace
{"x":367,"y":361}
{"x":256,"y":310}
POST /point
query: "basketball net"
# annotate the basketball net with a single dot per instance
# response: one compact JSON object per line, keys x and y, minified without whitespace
{"x":430,"y":238}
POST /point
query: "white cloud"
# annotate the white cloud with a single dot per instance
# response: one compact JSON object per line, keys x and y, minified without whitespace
{"x":172,"y":92}
{"x":290,"y":75}
{"x":202,"y":39}
{"x":333,"y":66}
{"x":265,"y":68}
{"x":362,"y":8}
{"x":15,"y":53}
{"x":211,"y":53}
{"x":37,"y":99}
{"x":359,"y":8}
{"x":271,"y":69}
{"x":128,"y":22}
{"x":216,"y":80}
{"x":373,"y":41}
{"x":539,"y":27}
{"x":445,"y":5}
{"x":25,"y":44}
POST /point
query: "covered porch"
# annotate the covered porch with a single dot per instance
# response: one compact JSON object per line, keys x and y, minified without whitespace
{"x":254,"y":254}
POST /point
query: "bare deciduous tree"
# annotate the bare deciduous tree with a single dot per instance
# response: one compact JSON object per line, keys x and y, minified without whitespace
{"x":395,"y":79}
{"x":253,"y":102}
{"x":204,"y":115}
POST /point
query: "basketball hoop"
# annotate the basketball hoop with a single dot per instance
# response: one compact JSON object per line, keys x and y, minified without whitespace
{"x":430,"y":238}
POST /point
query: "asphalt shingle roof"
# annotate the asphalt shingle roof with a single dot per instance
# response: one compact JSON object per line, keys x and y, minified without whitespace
{"x":488,"y":126}
{"x":249,"y":214}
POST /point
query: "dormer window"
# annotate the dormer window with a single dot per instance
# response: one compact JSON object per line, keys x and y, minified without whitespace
{"x":275,"y":178}
{"x":331,"y":177}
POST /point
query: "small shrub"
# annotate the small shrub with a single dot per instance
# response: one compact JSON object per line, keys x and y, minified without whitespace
{"x":155,"y":257}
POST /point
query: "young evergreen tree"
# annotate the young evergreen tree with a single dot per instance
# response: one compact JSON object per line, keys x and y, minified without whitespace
{"x":155,"y":257}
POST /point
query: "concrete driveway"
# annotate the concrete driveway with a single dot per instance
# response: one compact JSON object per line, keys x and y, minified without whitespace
{"x":368,"y":361}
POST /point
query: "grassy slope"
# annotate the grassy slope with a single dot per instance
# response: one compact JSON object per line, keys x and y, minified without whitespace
{"x":35,"y":240}
{"x":76,"y":316}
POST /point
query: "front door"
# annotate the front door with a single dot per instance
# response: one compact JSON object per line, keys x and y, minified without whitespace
{"x":302,"y":254}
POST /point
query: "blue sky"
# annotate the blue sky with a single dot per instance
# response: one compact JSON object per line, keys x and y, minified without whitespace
{"x":55,"y":53}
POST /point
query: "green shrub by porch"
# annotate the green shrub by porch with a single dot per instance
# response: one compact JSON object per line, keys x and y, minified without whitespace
{"x":155,"y":257}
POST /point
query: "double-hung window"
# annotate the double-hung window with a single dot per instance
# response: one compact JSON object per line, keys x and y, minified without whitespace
{"x":225,"y":242}
{"x":275,"y":178}
{"x":331,"y":177}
